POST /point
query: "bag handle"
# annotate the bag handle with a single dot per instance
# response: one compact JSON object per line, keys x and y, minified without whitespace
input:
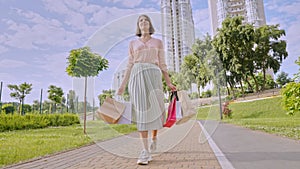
{"x":174,"y":94}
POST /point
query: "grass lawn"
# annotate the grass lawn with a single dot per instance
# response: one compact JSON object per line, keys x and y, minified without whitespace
{"x":22,"y":145}
{"x":266,"y":115}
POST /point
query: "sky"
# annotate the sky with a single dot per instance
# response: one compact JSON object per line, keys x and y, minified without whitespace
{"x":37,"y":35}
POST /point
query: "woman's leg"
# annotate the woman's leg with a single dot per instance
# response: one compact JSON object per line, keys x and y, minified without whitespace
{"x":145,"y":156}
{"x":154,"y":134}
{"x":144,"y":137}
{"x":153,"y":141}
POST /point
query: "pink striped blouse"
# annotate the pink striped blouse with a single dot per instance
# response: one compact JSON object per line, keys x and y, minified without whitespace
{"x":151,"y":51}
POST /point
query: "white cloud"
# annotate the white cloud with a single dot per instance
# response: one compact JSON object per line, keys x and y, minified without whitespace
{"x":131,"y":3}
{"x":39,"y":31}
{"x":8,"y":63}
{"x":290,"y":9}
{"x":55,"y":64}
{"x":126,"y":3}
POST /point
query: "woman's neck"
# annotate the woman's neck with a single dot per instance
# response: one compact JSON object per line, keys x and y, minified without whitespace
{"x":145,"y":36}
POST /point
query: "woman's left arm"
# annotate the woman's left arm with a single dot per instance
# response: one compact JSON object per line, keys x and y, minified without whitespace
{"x":163,"y":66}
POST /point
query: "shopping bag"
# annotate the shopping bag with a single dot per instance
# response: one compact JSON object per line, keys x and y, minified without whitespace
{"x":178,"y":110}
{"x":126,"y":117}
{"x":111,"y":110}
{"x":171,"y":118}
{"x":187,"y":110}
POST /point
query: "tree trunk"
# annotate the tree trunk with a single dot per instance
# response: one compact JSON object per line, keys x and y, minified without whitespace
{"x":20,"y":103}
{"x":264,"y":81}
{"x":242,"y":87}
{"x":256,"y":84}
{"x":232,"y":89}
{"x":247,"y":81}
{"x":84,"y":116}
{"x":23,"y":113}
{"x":198,"y":87}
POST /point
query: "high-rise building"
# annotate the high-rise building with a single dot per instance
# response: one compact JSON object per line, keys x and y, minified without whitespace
{"x":252,"y":11}
{"x":178,"y":31}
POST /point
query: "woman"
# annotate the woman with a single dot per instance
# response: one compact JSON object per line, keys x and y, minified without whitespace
{"x":146,"y":64}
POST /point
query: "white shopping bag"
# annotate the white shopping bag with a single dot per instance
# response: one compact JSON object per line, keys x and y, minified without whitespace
{"x":178,"y":110}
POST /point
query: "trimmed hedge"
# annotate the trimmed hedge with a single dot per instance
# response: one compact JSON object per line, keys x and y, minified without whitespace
{"x":9,"y":122}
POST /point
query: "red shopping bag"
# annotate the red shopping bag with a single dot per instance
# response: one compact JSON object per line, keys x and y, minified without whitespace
{"x":171,"y":119}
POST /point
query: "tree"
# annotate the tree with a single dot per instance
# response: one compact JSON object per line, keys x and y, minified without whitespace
{"x":181,"y":81}
{"x":36,"y":105}
{"x":282,"y":79}
{"x":55,"y":95}
{"x":71,"y":100}
{"x":20,"y":92}
{"x":244,"y":50}
{"x":84,"y":63}
{"x":269,"y":50}
{"x":297,"y":75}
{"x":267,"y":83}
{"x":233,"y":45}
{"x":197,"y":63}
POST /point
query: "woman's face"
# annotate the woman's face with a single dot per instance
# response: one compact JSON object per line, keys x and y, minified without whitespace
{"x":144,"y":24}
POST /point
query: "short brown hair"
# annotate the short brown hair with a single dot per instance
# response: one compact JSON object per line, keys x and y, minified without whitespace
{"x":138,"y":31}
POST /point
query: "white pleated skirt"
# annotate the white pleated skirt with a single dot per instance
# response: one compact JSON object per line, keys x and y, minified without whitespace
{"x":146,"y":95}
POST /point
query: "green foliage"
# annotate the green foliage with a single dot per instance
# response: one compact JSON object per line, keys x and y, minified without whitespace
{"x":8,"y":108}
{"x":33,"y":121}
{"x":194,"y":95}
{"x":206,"y":94}
{"x":291,"y":97}
{"x":105,"y":94}
{"x":262,"y":84}
{"x":196,"y":67}
{"x":27,"y":108}
{"x":71,"y":101}
{"x":244,"y":50}
{"x":84,"y":63}
{"x":282,"y":79}
{"x":55,"y":95}
{"x":20,"y":92}
{"x":297,"y":75}
{"x":180,"y":81}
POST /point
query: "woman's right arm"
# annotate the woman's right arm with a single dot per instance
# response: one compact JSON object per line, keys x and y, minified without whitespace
{"x":128,"y":70}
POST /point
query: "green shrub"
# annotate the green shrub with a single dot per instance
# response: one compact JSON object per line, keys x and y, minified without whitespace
{"x":34,"y":121}
{"x":8,"y":108}
{"x":291,"y":97}
{"x":194,"y":95}
{"x":207,"y":94}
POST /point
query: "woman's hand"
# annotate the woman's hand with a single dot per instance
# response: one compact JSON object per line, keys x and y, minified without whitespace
{"x":172,"y":87}
{"x":120,"y":91}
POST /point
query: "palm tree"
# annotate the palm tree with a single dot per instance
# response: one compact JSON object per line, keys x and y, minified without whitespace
{"x":55,"y":95}
{"x":20,"y":92}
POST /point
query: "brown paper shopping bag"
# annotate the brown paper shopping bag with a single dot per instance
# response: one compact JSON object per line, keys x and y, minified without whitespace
{"x":111,"y":111}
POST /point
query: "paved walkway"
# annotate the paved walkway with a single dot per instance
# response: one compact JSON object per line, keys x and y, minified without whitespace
{"x":249,"y":149}
{"x":178,"y":147}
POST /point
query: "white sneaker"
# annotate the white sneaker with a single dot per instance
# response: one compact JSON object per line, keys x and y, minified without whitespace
{"x":153,"y":145}
{"x":144,"y":158}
